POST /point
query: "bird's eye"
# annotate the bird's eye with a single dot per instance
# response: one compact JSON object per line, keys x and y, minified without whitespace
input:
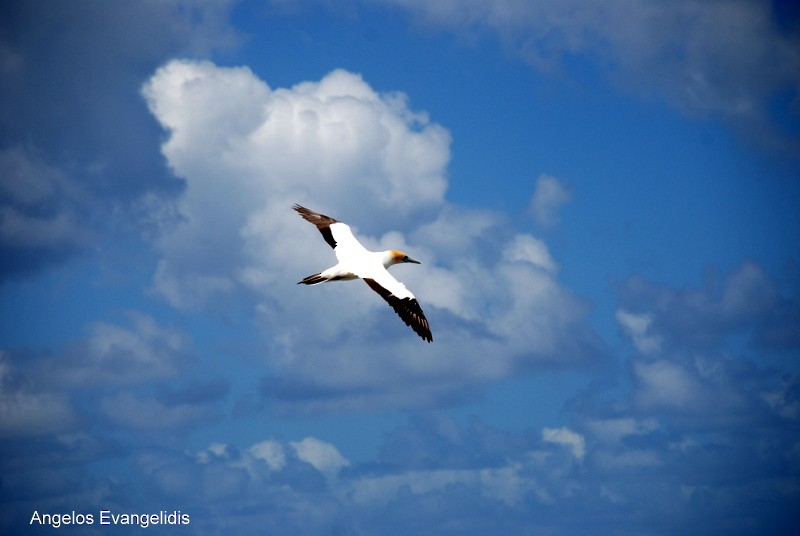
{"x":405,"y":259}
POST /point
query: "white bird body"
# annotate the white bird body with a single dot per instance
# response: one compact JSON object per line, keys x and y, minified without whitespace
{"x":357,"y":262}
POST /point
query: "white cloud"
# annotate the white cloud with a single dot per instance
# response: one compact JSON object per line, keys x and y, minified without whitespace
{"x":213,"y":451}
{"x":36,"y":399}
{"x":745,"y":302}
{"x":783,"y":399}
{"x":323,"y":456}
{"x":25,"y":412}
{"x":638,"y":328}
{"x":547,"y":198}
{"x":529,"y":249}
{"x":128,"y":410}
{"x":628,"y":459}
{"x":726,"y":58}
{"x":667,"y":384}
{"x":612,"y":431}
{"x":40,"y":207}
{"x":248,"y":151}
{"x":456,"y":230}
{"x":271,"y":452}
{"x":574,"y":441}
{"x":748,"y":293}
{"x":114,"y":354}
{"x":507,"y":484}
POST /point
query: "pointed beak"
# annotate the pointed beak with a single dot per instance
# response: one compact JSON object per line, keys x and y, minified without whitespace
{"x":409,"y":259}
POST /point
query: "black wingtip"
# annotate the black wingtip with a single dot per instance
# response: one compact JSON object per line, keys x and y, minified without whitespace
{"x":407,"y":309}
{"x":312,"y":280}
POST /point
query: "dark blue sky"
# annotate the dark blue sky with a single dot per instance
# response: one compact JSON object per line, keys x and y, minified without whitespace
{"x":605,"y":199}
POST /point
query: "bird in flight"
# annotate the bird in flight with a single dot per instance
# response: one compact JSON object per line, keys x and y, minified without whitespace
{"x":357,"y":262}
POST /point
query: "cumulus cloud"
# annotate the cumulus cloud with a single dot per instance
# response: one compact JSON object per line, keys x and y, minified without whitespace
{"x":323,"y":456}
{"x":784,"y":399}
{"x":69,"y":175}
{"x":566,"y":437}
{"x":668,"y":385}
{"x":478,"y":475}
{"x":746,"y":300}
{"x":434,"y":470}
{"x":267,"y":149}
{"x":614,"y":430}
{"x":547,"y":198}
{"x":38,"y":386}
{"x":691,"y":396}
{"x":676,"y":50}
{"x":43,"y":212}
{"x":129,"y":411}
{"x":25,"y":409}
{"x":638,"y":328}
{"x":248,"y":151}
{"x":507,"y":485}
{"x":529,"y":475}
{"x":115,"y":354}
{"x":271,"y":452}
{"x":695,"y":343}
{"x":529,"y":249}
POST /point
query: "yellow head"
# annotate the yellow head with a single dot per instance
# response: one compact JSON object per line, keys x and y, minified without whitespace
{"x":398,"y":257}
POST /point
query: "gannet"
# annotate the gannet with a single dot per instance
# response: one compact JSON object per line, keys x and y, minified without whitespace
{"x":357,"y":262}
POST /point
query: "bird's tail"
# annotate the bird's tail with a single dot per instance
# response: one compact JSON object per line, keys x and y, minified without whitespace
{"x":312,"y":280}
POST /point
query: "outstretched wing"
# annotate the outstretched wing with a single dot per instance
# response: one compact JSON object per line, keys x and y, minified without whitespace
{"x":403,"y":302}
{"x":337,"y":234}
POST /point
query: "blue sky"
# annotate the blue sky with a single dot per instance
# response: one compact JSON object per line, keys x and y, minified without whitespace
{"x":604,"y":198}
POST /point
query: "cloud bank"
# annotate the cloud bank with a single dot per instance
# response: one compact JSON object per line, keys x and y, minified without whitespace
{"x":247,"y":152}
{"x":726,"y":59}
{"x":70,"y":170}
{"x":692,"y":427}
